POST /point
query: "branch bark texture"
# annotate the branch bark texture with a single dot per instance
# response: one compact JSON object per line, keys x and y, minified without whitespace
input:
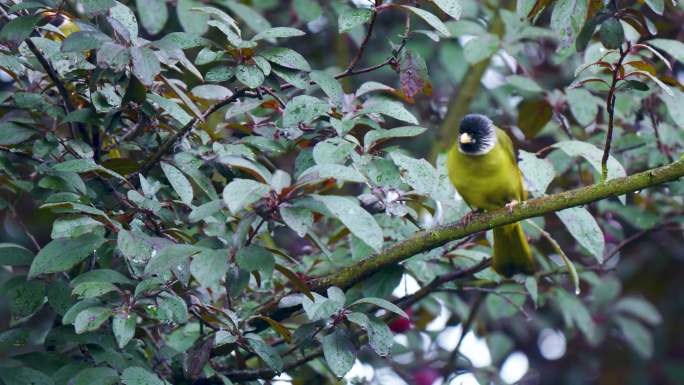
{"x":429,"y":239}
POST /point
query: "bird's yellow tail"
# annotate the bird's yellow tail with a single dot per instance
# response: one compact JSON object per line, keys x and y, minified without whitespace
{"x":512,"y":254}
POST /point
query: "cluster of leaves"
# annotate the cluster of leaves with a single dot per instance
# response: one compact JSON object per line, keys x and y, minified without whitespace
{"x":198,"y":175}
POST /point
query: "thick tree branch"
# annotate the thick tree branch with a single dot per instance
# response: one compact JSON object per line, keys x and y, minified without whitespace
{"x":429,"y":239}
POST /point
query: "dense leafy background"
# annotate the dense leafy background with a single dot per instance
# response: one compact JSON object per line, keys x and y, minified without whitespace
{"x":176,"y":175}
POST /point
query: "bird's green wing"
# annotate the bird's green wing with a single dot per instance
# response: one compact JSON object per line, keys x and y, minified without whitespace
{"x":506,"y":143}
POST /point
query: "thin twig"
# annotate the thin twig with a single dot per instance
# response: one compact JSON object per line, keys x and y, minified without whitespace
{"x":168,"y":144}
{"x":450,"y":366}
{"x":633,"y":238}
{"x":391,"y":59}
{"x":364,"y":43}
{"x":52,"y":74}
{"x":610,"y":107}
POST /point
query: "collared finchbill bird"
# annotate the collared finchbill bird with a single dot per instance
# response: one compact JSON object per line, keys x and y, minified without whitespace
{"x":482,"y":166}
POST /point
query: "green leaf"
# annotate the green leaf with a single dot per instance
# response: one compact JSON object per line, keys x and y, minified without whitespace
{"x":303,"y":109}
{"x":209,"y":267}
{"x":538,"y":172}
{"x":568,"y":18}
{"x":417,"y":173}
{"x":480,"y":48}
{"x":179,"y":182}
{"x":72,"y":227}
{"x":174,"y":110}
{"x":329,"y":85}
{"x":99,"y":376}
{"x":171,"y":257}
{"x":223,"y":337}
{"x":373,"y":137}
{"x":524,"y":83}
{"x":287,"y":58}
{"x":19,"y":29}
{"x":612,"y":33}
{"x":132,"y":245}
{"x":339,"y":352}
{"x":389,"y":108}
{"x":299,"y":219}
{"x":211,"y":92}
{"x":24,"y":297}
{"x":14,"y":255}
{"x":674,"y":106}
{"x":249,"y":75}
{"x":190,"y":166}
{"x":253,"y":19}
{"x":330,"y":171}
{"x":84,"y":41}
{"x":269,"y":355}
{"x":115,"y":56}
{"x":575,"y":314}
{"x":278,"y":32}
{"x":382,"y":303}
{"x":24,"y":376}
{"x":356,"y":219}
{"x":153,"y":15}
{"x":307,"y":10}
{"x":146,"y":65}
{"x":91,"y":319}
{"x":582,"y":105}
{"x":102,"y":275}
{"x":593,"y":155}
{"x":639,"y":308}
{"x":123,"y":327}
{"x":452,"y":8}
{"x":171,"y":308}
{"x":332,"y":151}
{"x":192,"y":21}
{"x":205,"y":211}
{"x":241,"y":193}
{"x":93,"y":289}
{"x":255,"y":258}
{"x":586,"y":33}
{"x":674,"y":48}
{"x":583,"y":227}
{"x":320,"y":308}
{"x":139,"y":376}
{"x":63,"y":254}
{"x":97,"y":6}
{"x":70,"y":315}
{"x":126,"y":17}
{"x":658,"y":6}
{"x":350,"y":18}
{"x":637,"y":336}
{"x":380,"y":336}
{"x":430,"y":18}
{"x":12,"y":133}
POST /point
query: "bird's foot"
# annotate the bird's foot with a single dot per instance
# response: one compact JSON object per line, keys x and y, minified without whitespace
{"x":466,"y":219}
{"x":512,"y":205}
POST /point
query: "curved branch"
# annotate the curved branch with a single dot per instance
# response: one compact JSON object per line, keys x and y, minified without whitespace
{"x":438,"y":236}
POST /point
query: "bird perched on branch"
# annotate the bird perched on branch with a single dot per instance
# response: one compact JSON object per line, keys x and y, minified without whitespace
{"x":482,"y":166}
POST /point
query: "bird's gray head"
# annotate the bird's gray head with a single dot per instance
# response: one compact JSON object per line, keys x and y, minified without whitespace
{"x":476,"y":135}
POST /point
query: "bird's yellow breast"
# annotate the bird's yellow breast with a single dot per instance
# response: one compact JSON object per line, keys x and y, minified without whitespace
{"x":486,"y":181}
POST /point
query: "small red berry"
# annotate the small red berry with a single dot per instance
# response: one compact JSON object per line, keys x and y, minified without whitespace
{"x":402,"y":325}
{"x":426,"y":376}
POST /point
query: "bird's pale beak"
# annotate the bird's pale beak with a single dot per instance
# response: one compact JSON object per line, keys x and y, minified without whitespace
{"x":465,"y":138}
